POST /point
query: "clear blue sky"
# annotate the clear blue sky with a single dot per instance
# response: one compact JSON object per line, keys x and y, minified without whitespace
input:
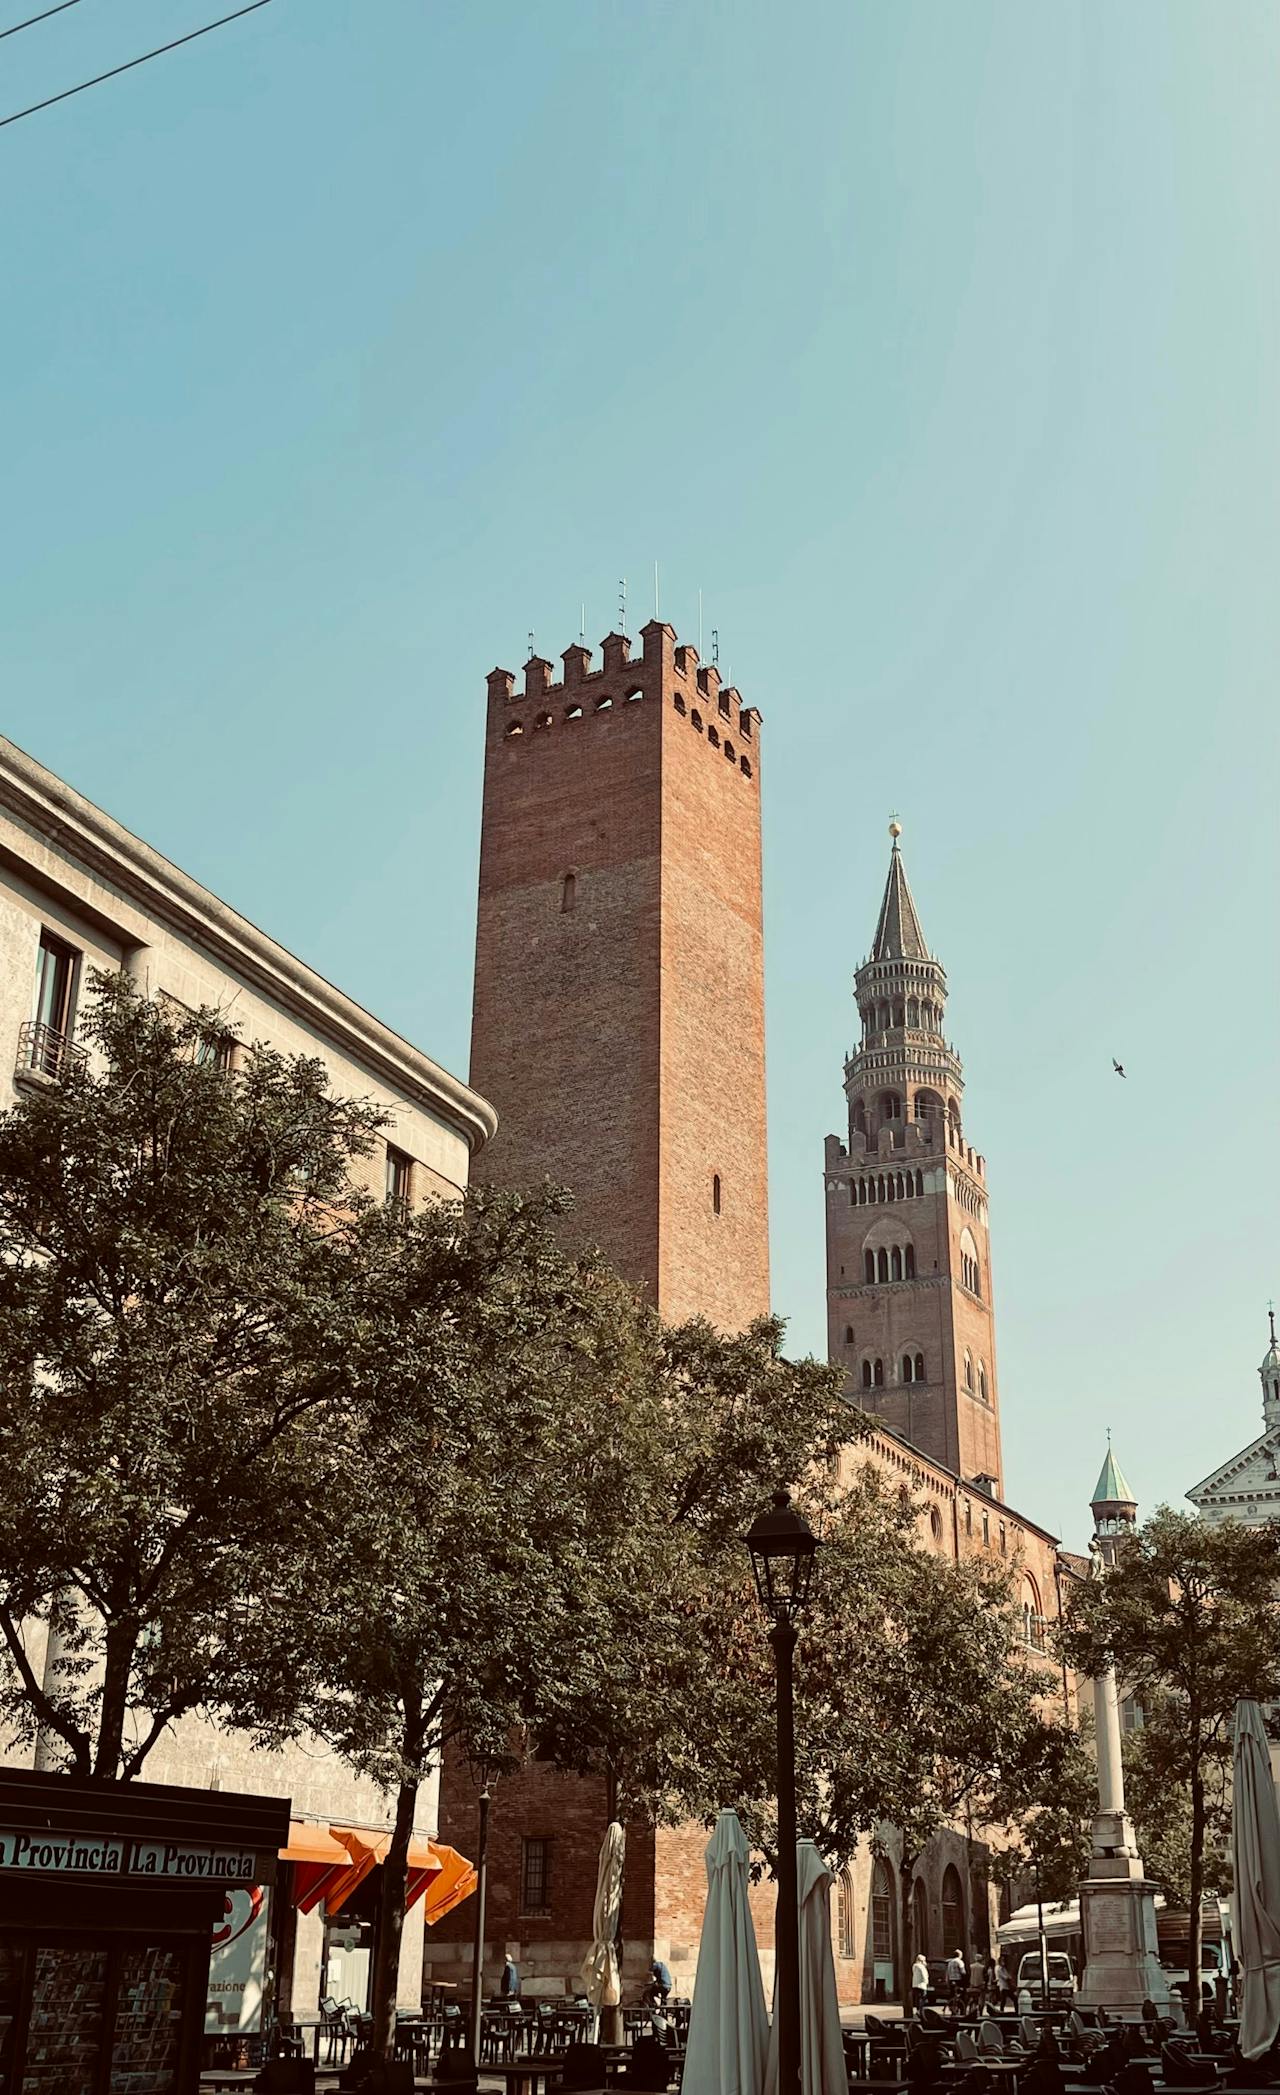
{"x":937,"y":344}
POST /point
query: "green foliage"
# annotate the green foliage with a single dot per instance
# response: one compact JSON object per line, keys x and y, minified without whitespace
{"x":1188,"y":1619}
{"x":1158,"y":1796}
{"x":171,"y":1302}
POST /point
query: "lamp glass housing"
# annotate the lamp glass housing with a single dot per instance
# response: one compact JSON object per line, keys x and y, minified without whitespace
{"x":782,"y":1547}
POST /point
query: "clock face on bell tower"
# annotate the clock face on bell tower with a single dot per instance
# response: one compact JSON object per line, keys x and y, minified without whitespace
{"x":908,"y":1253}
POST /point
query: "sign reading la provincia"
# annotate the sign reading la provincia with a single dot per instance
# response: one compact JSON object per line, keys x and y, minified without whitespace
{"x":105,"y":1855}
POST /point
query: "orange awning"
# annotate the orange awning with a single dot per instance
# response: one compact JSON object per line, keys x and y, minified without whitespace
{"x":330,"y":1862}
{"x":365,"y":1851}
{"x":317,"y":1858}
{"x":455,"y":1881}
{"x":425,"y":1864}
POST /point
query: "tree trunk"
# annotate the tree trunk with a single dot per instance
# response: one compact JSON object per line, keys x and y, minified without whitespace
{"x":906,"y":1948}
{"x":118,"y":1664}
{"x":386,"y":1956}
{"x":1195,"y":1927}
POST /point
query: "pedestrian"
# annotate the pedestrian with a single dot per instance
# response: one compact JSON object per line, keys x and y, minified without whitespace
{"x":660,"y":1980}
{"x":957,"y":1976}
{"x":919,"y":1981}
{"x":509,"y":1983}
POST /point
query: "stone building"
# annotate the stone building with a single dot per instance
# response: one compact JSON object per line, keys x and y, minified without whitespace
{"x":619,"y":1028}
{"x":78,"y":892}
{"x":1247,"y":1487}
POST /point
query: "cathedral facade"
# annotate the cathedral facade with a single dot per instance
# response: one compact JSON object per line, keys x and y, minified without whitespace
{"x":619,"y":1029}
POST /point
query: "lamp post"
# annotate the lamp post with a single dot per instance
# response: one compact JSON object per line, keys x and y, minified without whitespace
{"x":782,"y":1547}
{"x":477,"y":1949}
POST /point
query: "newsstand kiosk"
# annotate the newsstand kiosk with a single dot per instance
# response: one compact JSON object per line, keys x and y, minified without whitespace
{"x":109,"y":1895}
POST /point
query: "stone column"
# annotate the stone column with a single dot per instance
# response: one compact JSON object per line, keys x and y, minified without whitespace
{"x":1117,"y":1903}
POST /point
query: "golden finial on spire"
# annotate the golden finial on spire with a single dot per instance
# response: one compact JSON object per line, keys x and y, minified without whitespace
{"x":895,"y":827}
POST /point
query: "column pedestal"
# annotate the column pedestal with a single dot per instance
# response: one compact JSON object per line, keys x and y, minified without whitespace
{"x":1117,"y":1901}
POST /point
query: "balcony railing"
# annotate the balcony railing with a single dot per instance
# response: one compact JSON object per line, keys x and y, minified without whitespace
{"x":45,"y":1052}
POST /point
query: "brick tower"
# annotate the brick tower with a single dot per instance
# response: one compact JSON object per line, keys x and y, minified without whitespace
{"x":618,"y":1023}
{"x":618,"y":1027}
{"x":908,"y":1256}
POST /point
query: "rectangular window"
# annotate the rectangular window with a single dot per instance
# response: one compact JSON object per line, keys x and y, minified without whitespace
{"x":55,"y":984}
{"x":535,"y":1876}
{"x":881,"y":1929}
{"x":399,"y":1179}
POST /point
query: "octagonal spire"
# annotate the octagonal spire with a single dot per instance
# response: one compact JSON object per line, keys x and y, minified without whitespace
{"x":898,"y":934}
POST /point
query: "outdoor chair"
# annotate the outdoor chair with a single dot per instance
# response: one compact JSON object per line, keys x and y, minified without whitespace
{"x":286,"y":2077}
{"x":583,"y":2067}
{"x":456,"y":2067}
{"x":648,"y":2067}
{"x":1030,"y":2029}
{"x":966,"y":2047}
{"x":990,"y":2039}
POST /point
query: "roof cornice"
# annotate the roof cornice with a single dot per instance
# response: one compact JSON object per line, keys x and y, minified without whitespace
{"x":42,"y":802}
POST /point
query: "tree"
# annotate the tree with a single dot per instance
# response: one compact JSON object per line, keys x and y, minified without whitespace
{"x":1159,"y":1803}
{"x":672,"y":1636}
{"x":1187,"y":1617}
{"x":491,"y":1382}
{"x":172,"y":1271}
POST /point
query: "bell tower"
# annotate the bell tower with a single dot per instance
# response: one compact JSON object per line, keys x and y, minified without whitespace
{"x":909,"y":1312}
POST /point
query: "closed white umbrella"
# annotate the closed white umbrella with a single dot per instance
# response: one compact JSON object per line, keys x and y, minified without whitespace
{"x":728,"y":2026}
{"x":822,"y":2067}
{"x":600,"y":1966}
{"x":1255,"y":1857}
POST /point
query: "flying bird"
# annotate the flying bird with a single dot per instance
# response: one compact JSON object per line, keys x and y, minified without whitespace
{"x":1117,"y":1066}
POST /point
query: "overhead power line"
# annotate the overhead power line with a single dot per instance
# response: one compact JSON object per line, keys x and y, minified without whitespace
{"x":130,"y":63}
{"x":31,"y":20}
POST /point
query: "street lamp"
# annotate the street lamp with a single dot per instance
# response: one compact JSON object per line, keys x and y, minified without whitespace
{"x":782,"y":1547}
{"x":480,"y":1772}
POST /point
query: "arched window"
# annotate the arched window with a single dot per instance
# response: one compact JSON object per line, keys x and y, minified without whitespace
{"x":902,"y":1190}
{"x":888,"y":1187}
{"x":715,"y":1193}
{"x":869,"y":1260}
{"x":913,"y":1011}
{"x":919,"y":1367}
{"x":1004,"y":1540}
{"x":968,"y":1372}
{"x":890,"y":1106}
{"x":866,"y":1374}
{"x":882,"y":1912}
{"x":907,"y":1368}
{"x":882,"y":1264}
{"x":848,"y":1334}
{"x":880,"y":1189}
{"x":846,"y":1946}
{"x":877,"y":1373}
{"x":862,"y":1192}
{"x":919,"y":1918}
{"x":895,"y":1263}
{"x":860,"y":1118}
{"x":928,"y":1106}
{"x":952,"y":1912}
{"x":899,"y":1015}
{"x":604,"y":705}
{"x":982,"y":1380}
{"x":569,"y":893}
{"x":1032,"y":1619}
{"x":920,"y":1185}
{"x":909,"y":1261}
{"x":968,"y":1517}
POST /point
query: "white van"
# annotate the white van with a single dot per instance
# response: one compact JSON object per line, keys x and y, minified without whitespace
{"x":1062,"y":1977}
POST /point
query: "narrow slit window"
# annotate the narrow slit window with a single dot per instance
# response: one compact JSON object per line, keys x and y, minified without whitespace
{"x":715,"y":1193}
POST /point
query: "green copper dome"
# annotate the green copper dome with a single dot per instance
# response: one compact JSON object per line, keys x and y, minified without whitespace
{"x":1112,"y":1489}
